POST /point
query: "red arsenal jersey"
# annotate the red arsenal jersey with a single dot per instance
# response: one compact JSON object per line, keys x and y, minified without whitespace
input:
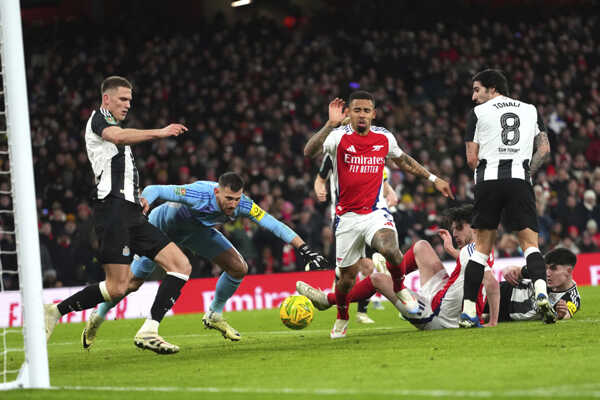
{"x":358,"y":163}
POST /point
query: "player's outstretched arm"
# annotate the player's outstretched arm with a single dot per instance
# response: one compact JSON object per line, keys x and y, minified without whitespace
{"x":408,"y":164}
{"x":492,"y":290}
{"x":185,"y":194}
{"x":313,"y":258}
{"x":542,"y":152}
{"x":336,"y":115}
{"x":118,"y":135}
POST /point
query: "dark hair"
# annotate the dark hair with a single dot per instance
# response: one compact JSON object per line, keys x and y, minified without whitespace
{"x":493,"y":78}
{"x":231,"y":180}
{"x":113,"y":82}
{"x":561,"y":256}
{"x":361,"y":95}
{"x":459,"y":215}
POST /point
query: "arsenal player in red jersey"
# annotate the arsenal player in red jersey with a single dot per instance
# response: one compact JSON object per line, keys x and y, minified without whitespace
{"x":359,"y":151}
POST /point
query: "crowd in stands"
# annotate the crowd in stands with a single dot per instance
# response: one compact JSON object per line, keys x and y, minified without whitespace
{"x":253,"y":92}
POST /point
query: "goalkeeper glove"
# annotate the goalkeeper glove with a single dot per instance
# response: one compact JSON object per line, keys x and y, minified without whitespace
{"x":314,"y":260}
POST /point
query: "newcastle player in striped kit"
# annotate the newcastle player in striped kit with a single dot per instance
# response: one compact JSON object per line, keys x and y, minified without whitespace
{"x":506,"y":144}
{"x":122,"y":228}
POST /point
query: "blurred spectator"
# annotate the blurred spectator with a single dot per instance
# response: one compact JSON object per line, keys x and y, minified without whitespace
{"x":253,"y":92}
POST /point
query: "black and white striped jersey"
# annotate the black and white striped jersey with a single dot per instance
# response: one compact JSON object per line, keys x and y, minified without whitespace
{"x":518,"y":303}
{"x":113,"y":165}
{"x":505,"y":130}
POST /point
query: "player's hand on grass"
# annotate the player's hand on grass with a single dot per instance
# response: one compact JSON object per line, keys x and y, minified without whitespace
{"x":337,"y":112}
{"x":562,"y":311}
{"x":512,"y":275}
{"x":173,"y":130}
{"x":443,"y":187}
{"x":145,"y":205}
{"x":313,"y":259}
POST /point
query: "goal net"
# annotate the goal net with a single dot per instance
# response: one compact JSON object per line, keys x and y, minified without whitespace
{"x":23,"y":353}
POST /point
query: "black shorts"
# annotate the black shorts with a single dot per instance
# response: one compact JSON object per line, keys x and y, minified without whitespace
{"x":123,"y":231}
{"x":511,"y":200}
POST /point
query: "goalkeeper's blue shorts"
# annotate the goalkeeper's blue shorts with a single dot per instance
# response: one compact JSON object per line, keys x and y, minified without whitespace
{"x":203,"y":241}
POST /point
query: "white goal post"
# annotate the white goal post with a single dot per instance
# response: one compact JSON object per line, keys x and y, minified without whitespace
{"x":34,"y":372}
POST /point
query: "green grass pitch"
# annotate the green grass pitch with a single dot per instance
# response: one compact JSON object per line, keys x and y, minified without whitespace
{"x":389,"y":359}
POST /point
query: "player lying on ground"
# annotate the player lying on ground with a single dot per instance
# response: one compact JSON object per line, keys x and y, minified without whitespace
{"x":188,"y":218}
{"x":358,"y":151}
{"x":517,"y":294}
{"x":440,"y":296}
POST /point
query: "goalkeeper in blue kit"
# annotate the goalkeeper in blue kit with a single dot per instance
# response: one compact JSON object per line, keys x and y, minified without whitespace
{"x":188,"y":218}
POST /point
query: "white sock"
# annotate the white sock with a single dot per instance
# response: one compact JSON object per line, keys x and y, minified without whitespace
{"x":469,"y":308}
{"x":540,"y":287}
{"x":150,"y":325}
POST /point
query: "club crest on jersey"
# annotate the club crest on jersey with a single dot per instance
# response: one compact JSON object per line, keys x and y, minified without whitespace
{"x":377,"y":147}
{"x":110,"y":119}
{"x":126,"y":251}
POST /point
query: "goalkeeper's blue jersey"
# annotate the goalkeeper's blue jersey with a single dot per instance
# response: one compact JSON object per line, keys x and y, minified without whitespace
{"x":196,"y":203}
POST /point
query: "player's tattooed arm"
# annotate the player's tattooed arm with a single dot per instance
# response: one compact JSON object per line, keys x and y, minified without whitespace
{"x":337,"y":115}
{"x":542,"y":152}
{"x":408,"y":164}
{"x":315,"y":143}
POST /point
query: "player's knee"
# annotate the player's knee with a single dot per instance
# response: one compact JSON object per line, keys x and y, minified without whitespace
{"x":238,"y":269}
{"x":181,"y":265}
{"x":134,"y":285}
{"x":366,"y":266}
{"x":421,"y":246}
{"x":117,"y":290}
{"x":378,"y":279}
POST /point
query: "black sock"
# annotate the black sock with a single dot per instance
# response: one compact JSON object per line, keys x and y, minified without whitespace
{"x":86,"y":298}
{"x":536,"y":267}
{"x":168,"y":292}
{"x":473,"y":278}
{"x":362,"y":305}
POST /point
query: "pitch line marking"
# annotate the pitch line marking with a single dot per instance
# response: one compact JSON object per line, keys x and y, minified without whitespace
{"x":563,"y":391}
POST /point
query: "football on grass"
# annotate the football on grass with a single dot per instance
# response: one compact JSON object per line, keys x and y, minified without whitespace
{"x":296,"y":312}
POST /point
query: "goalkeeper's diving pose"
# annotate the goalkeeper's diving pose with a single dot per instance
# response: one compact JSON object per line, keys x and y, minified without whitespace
{"x":189,"y":217}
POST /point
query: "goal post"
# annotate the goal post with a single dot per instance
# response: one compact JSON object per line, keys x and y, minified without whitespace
{"x":34,"y":371}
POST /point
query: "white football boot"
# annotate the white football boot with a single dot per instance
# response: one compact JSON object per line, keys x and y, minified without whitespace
{"x":214,"y":320}
{"x":339,"y":329}
{"x":88,"y":336}
{"x":318,"y":297}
